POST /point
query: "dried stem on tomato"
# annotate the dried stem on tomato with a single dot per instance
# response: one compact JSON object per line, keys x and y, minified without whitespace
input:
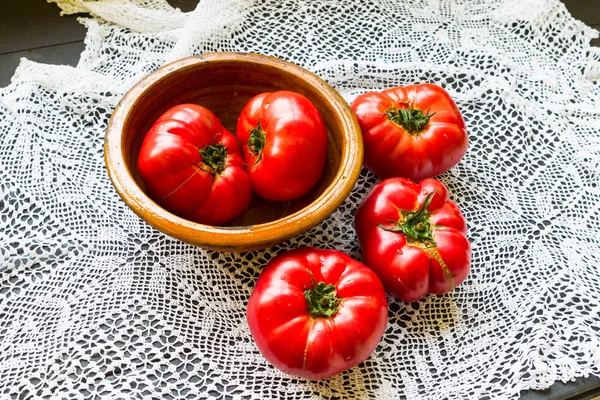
{"x":322,"y":300}
{"x":256,"y":142}
{"x":413,"y":120}
{"x":214,"y":156}
{"x":415,"y":225}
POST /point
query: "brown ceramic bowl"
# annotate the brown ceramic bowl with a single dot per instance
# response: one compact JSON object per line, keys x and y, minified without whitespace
{"x":223,"y":83}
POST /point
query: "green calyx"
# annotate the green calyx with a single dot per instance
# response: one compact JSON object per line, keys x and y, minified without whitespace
{"x":413,"y":120}
{"x":256,"y":142}
{"x":214,"y":156}
{"x":415,"y":225}
{"x":322,"y":300}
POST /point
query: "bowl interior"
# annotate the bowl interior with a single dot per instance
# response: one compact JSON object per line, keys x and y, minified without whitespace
{"x":224,"y":87}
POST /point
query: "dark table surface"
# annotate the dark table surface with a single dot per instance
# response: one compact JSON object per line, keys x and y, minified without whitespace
{"x":35,"y":30}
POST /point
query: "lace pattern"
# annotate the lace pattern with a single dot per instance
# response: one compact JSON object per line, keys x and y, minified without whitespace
{"x":95,"y":303}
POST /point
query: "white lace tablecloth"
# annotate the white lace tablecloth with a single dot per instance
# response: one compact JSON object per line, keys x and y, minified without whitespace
{"x":94,"y":303}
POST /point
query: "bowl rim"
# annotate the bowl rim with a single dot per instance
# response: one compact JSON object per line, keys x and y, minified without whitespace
{"x":233,"y":238}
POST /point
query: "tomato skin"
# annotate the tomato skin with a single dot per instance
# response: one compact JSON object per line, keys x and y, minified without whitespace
{"x":316,"y":347}
{"x":391,"y":150}
{"x":295,"y":147}
{"x":176,"y":175}
{"x":410,"y":268}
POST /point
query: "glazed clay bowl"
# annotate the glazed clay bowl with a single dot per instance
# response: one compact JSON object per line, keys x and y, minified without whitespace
{"x":223,"y":83}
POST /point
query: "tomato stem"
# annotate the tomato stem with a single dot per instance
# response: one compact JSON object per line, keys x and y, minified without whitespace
{"x":412,"y":119}
{"x":322,"y":300}
{"x":415,"y":225}
{"x":256,"y":142}
{"x":215,"y":157}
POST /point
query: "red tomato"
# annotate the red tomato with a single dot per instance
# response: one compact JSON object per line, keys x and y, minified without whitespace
{"x":315,"y":313}
{"x":413,"y":237}
{"x":192,"y":166}
{"x":284,"y":143}
{"x":413,"y":131}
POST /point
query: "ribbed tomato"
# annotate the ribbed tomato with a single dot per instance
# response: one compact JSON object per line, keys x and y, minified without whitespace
{"x":413,"y":237}
{"x":192,"y":166}
{"x":315,"y":313}
{"x":284,"y":144}
{"x":414,"y":131}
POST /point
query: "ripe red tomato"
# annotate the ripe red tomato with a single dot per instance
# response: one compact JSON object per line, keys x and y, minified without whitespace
{"x":413,"y":131}
{"x":315,"y":313}
{"x":192,"y":166}
{"x":284,"y":144}
{"x":413,"y":237}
